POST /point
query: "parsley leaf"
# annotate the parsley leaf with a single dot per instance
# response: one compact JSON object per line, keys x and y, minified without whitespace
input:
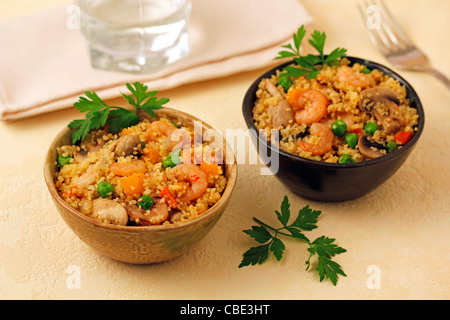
{"x":318,"y":41}
{"x":307,"y":219}
{"x":309,"y":65}
{"x":120,"y":119}
{"x":293,"y":52}
{"x":324,"y":248}
{"x":283,"y":217}
{"x":144,"y":100}
{"x":91,"y":103}
{"x":99,"y":114}
{"x":277,"y":247}
{"x":256,"y":255}
{"x":82,"y":129}
{"x":96,"y":117}
{"x":260,"y":234}
{"x":268,"y":237}
{"x":333,"y":58}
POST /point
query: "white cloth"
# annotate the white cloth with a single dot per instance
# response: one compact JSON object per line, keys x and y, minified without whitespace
{"x":44,"y":64}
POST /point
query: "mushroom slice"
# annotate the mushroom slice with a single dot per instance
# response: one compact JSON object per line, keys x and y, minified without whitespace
{"x":176,"y":217}
{"x":80,"y":155}
{"x":109,"y":211}
{"x":369,"y":148}
{"x":127,"y":145}
{"x":371,"y":97}
{"x":383,"y":103}
{"x":282,"y":113}
{"x":91,"y":143}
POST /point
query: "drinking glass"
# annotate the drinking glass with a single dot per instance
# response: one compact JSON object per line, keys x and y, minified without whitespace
{"x":137,"y":36}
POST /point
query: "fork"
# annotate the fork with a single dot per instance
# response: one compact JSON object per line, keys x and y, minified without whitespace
{"x":388,"y":37}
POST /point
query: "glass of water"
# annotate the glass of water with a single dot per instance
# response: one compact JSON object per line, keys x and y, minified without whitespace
{"x":137,"y":36}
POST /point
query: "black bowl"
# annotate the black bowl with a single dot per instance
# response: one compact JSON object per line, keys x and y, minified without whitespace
{"x":322,"y":181}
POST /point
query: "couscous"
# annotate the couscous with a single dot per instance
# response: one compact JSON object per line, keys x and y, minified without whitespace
{"x":347,"y":113}
{"x":153,"y":173}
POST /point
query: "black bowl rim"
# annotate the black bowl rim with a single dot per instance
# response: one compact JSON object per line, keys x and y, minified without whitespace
{"x":411,"y":94}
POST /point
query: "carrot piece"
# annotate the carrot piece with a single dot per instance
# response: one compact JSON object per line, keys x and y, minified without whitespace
{"x":402,"y":137}
{"x":124,"y":132}
{"x":133,"y":185}
{"x":209,"y":168}
{"x":166,"y":194}
{"x":152,"y":155}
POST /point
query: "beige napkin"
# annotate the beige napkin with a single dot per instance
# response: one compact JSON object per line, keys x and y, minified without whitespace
{"x":44,"y":65}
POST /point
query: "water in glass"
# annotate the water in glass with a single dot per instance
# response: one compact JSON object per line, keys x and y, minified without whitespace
{"x":138,"y":36}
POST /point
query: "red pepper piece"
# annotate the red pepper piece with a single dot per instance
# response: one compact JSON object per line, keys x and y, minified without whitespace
{"x":402,"y":137}
{"x":357,"y":131}
{"x":166,"y":194}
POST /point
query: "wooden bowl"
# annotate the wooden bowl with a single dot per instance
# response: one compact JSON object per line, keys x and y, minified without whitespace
{"x":141,"y":244}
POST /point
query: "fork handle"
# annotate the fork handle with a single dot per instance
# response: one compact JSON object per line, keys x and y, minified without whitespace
{"x":440,"y":76}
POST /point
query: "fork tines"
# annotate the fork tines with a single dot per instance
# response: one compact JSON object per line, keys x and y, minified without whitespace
{"x":384,"y":32}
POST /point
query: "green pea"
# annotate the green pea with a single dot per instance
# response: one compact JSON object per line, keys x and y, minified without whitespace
{"x":339,"y":128}
{"x":62,"y":160}
{"x":105,"y":189}
{"x":285,"y":82}
{"x":370,"y":128}
{"x":391,"y":146}
{"x":346,"y":158}
{"x":168,"y":163}
{"x":146,"y":202}
{"x":365,"y":71}
{"x":172,"y":160}
{"x":351,"y":140}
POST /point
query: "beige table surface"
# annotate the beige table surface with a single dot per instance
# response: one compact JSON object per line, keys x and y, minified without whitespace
{"x":401,"y":230}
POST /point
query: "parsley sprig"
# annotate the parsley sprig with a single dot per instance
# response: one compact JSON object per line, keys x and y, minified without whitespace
{"x":309,"y":65}
{"x":323,"y":247}
{"x":99,"y":114}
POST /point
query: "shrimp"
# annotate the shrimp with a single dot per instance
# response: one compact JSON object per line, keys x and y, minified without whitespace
{"x":128,"y":168}
{"x":175,"y":138}
{"x":348,"y":118}
{"x":347,"y":75}
{"x":156,"y":215}
{"x":193,"y":175}
{"x":160,"y":127}
{"x":310,"y":105}
{"x":86,"y":179}
{"x":325,"y":142}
